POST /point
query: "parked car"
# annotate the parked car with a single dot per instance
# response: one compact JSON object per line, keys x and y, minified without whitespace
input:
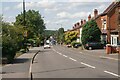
{"x":76,"y":45}
{"x":94,"y":45}
{"x":47,"y":45}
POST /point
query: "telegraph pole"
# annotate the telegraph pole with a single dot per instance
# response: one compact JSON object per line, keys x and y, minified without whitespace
{"x":24,"y":13}
{"x":24,"y":24}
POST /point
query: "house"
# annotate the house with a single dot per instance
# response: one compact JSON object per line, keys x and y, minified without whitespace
{"x":108,"y":24}
{"x":78,"y":27}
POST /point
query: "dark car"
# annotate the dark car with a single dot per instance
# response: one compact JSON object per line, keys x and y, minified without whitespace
{"x":94,"y":45}
{"x":76,"y":45}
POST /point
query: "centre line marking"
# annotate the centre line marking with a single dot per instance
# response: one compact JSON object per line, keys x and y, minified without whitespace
{"x":72,"y":59}
{"x":112,"y":73}
{"x":80,"y":52}
{"x":65,"y":56}
{"x":88,"y":65}
{"x":60,"y":53}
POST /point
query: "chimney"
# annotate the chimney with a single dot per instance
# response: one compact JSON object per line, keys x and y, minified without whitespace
{"x":89,"y":17}
{"x":81,"y":22}
{"x":75,"y":25}
{"x":78,"y":23}
{"x":84,"y":21}
{"x":95,"y":13}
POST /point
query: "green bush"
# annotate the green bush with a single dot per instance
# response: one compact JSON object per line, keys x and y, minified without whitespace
{"x":9,"y":48}
{"x":11,"y":41}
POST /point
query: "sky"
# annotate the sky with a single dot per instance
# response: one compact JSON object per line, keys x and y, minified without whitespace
{"x":56,"y":13}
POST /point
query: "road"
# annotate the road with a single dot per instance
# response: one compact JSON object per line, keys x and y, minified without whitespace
{"x":63,"y":62}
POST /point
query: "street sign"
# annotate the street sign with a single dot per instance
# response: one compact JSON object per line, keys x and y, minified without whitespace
{"x":25,"y":33}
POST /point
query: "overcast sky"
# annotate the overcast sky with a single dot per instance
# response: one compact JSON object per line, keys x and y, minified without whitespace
{"x":56,"y":13}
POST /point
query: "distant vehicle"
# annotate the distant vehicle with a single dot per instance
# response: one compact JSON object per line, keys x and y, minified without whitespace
{"x":47,"y":45}
{"x":94,"y":45}
{"x":68,"y":45}
{"x":47,"y":41}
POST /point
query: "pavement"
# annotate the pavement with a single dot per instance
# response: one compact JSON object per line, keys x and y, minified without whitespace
{"x":100,"y":53}
{"x":20,"y":67}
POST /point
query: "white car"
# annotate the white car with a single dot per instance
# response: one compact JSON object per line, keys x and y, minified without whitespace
{"x":47,"y":45}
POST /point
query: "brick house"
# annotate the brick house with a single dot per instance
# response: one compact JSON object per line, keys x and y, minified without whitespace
{"x":108,"y":23}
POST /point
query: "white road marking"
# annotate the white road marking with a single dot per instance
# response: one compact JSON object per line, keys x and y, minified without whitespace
{"x":88,"y":65}
{"x":65,"y":56}
{"x":109,"y":58}
{"x":60,"y":53}
{"x":112,"y":73}
{"x":72,"y":59}
{"x":80,"y":52}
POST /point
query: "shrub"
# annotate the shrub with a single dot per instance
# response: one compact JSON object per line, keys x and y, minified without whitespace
{"x":12,"y":38}
{"x":70,"y":36}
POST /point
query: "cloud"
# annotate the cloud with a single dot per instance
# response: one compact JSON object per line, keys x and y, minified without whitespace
{"x":61,"y":21}
{"x":6,"y":8}
{"x":102,"y":7}
{"x":90,"y":0}
{"x":74,"y":15}
{"x":37,"y":5}
{"x":18,"y":6}
{"x":47,"y":21}
{"x":64,"y":15}
{"x":8,"y":18}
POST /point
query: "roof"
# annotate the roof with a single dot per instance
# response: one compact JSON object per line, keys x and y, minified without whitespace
{"x":111,"y":7}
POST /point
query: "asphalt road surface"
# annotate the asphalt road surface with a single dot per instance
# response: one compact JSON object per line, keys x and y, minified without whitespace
{"x":63,"y":62}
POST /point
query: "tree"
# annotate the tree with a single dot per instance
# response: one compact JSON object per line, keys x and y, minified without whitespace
{"x":70,"y":36}
{"x":33,"y":22}
{"x":60,"y":35}
{"x":90,"y":32}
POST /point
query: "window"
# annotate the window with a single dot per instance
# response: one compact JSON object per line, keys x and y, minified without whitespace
{"x":104,"y":27}
{"x":114,"y":40}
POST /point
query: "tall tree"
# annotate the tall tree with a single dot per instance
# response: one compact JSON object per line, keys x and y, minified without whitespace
{"x":33,"y":22}
{"x":60,"y":35}
{"x":90,"y":32}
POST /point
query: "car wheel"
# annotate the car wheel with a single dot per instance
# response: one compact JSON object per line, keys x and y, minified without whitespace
{"x":90,"y":48}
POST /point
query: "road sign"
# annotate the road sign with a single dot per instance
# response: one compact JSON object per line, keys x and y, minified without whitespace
{"x":25,"y":33}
